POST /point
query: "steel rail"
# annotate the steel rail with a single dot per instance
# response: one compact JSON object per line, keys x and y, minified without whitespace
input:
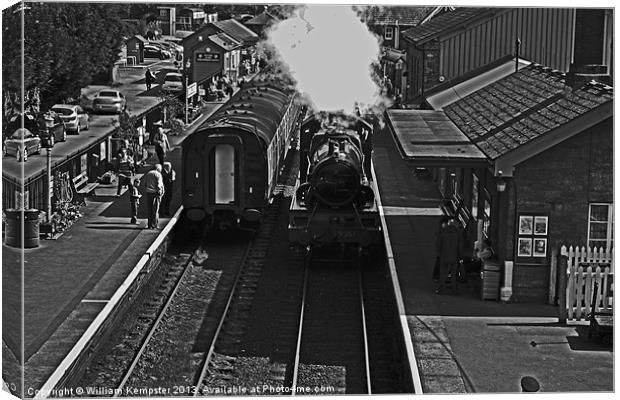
{"x":205,"y":366}
{"x":365,"y":331}
{"x":147,"y":339}
{"x":301,"y":324}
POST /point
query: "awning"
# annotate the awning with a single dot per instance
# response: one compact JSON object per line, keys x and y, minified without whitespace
{"x":430,"y":139}
{"x":460,"y":90}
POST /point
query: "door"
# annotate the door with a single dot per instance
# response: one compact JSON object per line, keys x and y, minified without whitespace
{"x":224,"y":174}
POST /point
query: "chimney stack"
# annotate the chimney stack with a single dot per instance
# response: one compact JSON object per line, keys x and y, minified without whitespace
{"x":579,"y":75}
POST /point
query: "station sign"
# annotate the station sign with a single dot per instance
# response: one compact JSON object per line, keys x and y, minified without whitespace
{"x":192,"y":89}
{"x":208,"y":57}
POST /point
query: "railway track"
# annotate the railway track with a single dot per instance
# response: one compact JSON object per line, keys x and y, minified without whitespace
{"x":232,"y":350}
{"x":132,"y":361}
{"x":332,"y":351}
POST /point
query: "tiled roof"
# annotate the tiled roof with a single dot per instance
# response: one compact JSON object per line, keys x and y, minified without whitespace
{"x":522,"y":107}
{"x":444,"y":22}
{"x":388,"y":15}
{"x":235,"y":29}
{"x":225,"y":41}
{"x":263,"y":18}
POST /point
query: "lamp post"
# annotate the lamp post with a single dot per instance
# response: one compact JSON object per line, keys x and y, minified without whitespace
{"x":188,"y":64}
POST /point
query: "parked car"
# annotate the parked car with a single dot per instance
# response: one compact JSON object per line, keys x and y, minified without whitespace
{"x":173,"y":82}
{"x":109,"y":101}
{"x":153,"y":51}
{"x":22,"y":143}
{"x":75,"y":117}
{"x":50,"y":124}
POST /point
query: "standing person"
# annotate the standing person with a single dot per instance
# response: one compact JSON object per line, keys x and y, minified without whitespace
{"x":125,"y":171}
{"x":450,"y":246}
{"x":154,"y":186}
{"x":160,"y":140}
{"x":229,"y":90}
{"x":443,"y":223}
{"x":169,"y":176}
{"x":134,"y":201}
{"x":149,"y":78}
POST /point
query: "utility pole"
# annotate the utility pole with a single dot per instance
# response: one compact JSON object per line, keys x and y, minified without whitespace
{"x":50,"y":185}
{"x":517,"y":48}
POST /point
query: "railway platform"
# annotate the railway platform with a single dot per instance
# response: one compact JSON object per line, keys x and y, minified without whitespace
{"x":68,"y":281}
{"x":463,"y":344}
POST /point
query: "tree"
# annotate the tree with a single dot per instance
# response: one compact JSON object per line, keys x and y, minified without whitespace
{"x":64,"y":46}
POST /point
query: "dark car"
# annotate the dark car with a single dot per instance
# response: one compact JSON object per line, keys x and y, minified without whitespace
{"x":22,"y":143}
{"x":152,"y":51}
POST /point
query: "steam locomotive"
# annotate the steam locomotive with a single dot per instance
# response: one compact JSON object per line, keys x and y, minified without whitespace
{"x":334,"y":202}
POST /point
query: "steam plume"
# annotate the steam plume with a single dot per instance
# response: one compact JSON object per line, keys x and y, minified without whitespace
{"x":330,"y":53}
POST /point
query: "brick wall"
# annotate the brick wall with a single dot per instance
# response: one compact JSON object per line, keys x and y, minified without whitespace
{"x":563,"y":180}
{"x":560,"y":182}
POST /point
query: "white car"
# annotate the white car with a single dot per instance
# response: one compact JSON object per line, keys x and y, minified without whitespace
{"x":109,"y":100}
{"x":74,"y":117}
{"x":173,"y":82}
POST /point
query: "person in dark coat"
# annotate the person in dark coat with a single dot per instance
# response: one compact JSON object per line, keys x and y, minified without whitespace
{"x":443,"y":223}
{"x":450,"y":250}
{"x":229,"y":90}
{"x":149,"y":78}
{"x":169,"y":176}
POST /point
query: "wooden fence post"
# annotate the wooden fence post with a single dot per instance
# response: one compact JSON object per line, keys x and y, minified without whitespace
{"x":562,"y":266}
{"x":553,"y":270}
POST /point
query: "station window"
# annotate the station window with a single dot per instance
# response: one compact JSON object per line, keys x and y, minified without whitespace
{"x":601,"y":225}
{"x":389,"y":32}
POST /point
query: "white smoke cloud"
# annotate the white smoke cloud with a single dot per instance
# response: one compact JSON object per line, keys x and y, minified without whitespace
{"x":330,"y":53}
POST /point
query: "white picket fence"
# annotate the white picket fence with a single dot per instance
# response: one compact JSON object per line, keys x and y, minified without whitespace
{"x":585,"y":267}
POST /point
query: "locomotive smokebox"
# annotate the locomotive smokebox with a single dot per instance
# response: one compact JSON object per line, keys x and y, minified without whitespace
{"x":336,"y":181}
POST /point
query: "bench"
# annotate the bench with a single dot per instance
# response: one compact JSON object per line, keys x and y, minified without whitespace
{"x":601,"y":323}
{"x":82,"y":186}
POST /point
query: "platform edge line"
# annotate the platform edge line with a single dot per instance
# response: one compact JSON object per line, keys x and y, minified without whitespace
{"x":413,"y":363}
{"x":82,"y":343}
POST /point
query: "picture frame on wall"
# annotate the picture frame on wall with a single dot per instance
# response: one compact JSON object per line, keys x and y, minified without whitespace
{"x":540,"y":247}
{"x":526,"y":223}
{"x":525,"y":247}
{"x":540,"y":225}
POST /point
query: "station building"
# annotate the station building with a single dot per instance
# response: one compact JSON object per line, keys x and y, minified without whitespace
{"x":525,"y":160}
{"x":217,"y":48}
{"x":449,"y":46}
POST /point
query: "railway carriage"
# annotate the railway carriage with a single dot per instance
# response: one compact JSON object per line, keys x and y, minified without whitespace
{"x":232,"y":161}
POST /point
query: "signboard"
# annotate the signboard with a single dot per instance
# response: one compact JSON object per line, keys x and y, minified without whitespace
{"x":191,"y":90}
{"x":208,"y":57}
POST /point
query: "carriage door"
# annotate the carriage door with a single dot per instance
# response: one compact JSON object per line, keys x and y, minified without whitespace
{"x":224,"y":174}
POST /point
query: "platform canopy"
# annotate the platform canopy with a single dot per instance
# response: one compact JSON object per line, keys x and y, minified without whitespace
{"x":430,"y":139}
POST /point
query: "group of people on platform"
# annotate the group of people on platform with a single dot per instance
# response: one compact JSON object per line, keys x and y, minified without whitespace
{"x":451,"y":267}
{"x":158,"y":182}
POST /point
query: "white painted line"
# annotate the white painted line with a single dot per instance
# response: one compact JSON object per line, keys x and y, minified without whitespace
{"x":94,"y":326}
{"x":94,"y":301}
{"x":396,"y":211}
{"x":413,"y":364}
